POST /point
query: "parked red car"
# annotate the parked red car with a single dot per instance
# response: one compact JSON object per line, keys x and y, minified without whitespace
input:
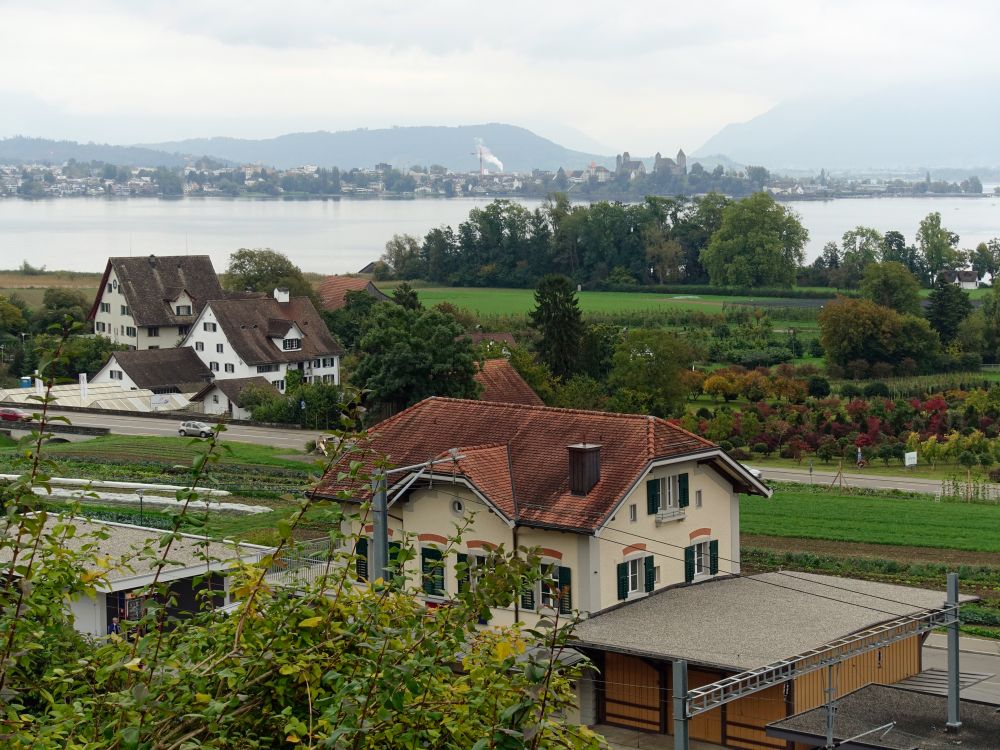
{"x":14,"y":415}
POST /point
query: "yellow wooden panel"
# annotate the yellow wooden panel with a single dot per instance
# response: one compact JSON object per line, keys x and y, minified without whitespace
{"x":631,"y":692}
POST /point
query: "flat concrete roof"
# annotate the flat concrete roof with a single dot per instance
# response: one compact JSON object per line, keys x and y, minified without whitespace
{"x":743,"y":622}
{"x":119,"y":544}
{"x":920,"y":722}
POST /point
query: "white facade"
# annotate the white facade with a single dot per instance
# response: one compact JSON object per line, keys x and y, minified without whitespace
{"x":217,"y":402}
{"x":114,"y":374}
{"x":114,"y":320}
{"x":211,"y":344}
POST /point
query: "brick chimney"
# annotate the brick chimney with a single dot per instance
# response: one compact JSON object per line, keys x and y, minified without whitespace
{"x":584,"y":467}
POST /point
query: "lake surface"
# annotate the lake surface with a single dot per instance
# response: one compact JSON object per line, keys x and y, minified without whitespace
{"x":342,"y":236}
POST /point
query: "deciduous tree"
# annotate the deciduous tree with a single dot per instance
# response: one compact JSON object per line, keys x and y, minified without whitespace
{"x":891,"y":285}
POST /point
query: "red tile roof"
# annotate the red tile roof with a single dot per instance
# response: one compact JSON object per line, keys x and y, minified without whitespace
{"x":333,"y":290}
{"x":502,"y":383}
{"x":516,"y":455}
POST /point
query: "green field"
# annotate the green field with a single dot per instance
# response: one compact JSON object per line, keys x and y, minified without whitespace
{"x":497,"y":301}
{"x":177,"y":450}
{"x":911,"y":520}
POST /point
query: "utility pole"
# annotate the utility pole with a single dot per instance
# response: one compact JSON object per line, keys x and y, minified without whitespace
{"x":380,"y":522}
{"x":831,"y":708}
{"x":680,"y":679}
{"x":954,"y":720}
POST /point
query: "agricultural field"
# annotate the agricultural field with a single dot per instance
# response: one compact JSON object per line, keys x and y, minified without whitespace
{"x":905,"y":519}
{"x":31,"y":287}
{"x":496,"y":301}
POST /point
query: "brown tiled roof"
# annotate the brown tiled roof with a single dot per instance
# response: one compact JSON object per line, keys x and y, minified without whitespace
{"x":234,"y":388}
{"x":501,"y":382}
{"x":333,"y":290}
{"x":150,"y":285}
{"x":161,"y":368}
{"x":249,"y":325}
{"x":516,"y":455}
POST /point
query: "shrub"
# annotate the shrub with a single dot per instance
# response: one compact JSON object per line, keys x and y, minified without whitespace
{"x":726,"y":445}
{"x":858,"y":368}
{"x":762,"y":448}
{"x":882,"y":370}
{"x":876,"y":388}
{"x":818,"y":387}
{"x":739,"y":454}
{"x":849,"y":390}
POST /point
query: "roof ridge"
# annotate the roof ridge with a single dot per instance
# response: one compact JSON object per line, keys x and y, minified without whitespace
{"x":560,"y":409}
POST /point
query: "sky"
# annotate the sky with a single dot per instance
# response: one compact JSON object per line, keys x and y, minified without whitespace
{"x":638,"y":76}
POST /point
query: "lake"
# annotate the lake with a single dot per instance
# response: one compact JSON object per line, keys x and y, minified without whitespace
{"x":342,"y":236}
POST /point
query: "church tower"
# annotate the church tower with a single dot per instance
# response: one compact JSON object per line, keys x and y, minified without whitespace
{"x":682,"y":162}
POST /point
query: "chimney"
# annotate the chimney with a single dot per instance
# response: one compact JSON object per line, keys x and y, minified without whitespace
{"x":584,"y":467}
{"x":281,"y":294}
{"x":152,"y":261}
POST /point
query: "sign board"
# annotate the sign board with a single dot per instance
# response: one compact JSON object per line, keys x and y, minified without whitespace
{"x":83,"y":387}
{"x":159,"y":401}
{"x":910,"y":458}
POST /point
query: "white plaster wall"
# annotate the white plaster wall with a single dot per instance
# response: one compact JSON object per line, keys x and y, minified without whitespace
{"x":89,"y":615}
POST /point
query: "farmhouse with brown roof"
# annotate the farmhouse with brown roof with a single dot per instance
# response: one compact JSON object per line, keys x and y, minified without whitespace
{"x":242,"y":338}
{"x":150,"y":302}
{"x":591,"y":489}
{"x":333,"y":290}
{"x":177,"y":370}
{"x":225,"y":396}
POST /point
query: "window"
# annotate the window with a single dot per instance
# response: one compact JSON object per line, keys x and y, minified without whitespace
{"x":432,"y":571}
{"x":316,"y":363}
{"x":210,"y":327}
{"x":183,"y":330}
{"x":213,"y":366}
{"x":199,"y":346}
{"x":153,"y":331}
{"x":125,"y":310}
{"x":115,"y":374}
{"x":105,"y":307}
{"x":550,"y":585}
{"x":697,"y":498}
{"x":99,"y":326}
{"x":267,"y":368}
{"x":215,"y":399}
{"x":701,"y":559}
{"x":279,"y":384}
{"x":290,"y":345}
{"x":636,"y":575}
{"x":633,"y":514}
{"x":129,"y":330}
{"x":230,"y":367}
{"x":182,"y":310}
{"x":109,"y":291}
{"x":667,"y":494}
{"x":474,"y":564}
{"x":328,"y":361}
{"x":153,"y":347}
{"x":219,"y":348}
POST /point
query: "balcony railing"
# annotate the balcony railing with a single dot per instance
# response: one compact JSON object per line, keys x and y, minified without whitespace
{"x":669,"y":515}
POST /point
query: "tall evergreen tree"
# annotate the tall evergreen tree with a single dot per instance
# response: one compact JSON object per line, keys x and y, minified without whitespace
{"x":947,"y":306}
{"x":557,"y":318}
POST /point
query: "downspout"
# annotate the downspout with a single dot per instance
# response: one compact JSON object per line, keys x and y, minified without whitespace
{"x":513,"y":530}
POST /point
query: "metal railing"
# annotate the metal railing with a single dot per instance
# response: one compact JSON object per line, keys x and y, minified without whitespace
{"x":702,"y":699}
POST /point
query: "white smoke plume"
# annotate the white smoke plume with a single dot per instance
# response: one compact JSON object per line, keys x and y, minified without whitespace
{"x":484,"y":153}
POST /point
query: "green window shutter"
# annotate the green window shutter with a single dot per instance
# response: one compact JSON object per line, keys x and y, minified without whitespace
{"x":394,"y":565}
{"x":623,"y":580}
{"x":652,"y":496}
{"x":361,"y":558}
{"x":688,"y":564}
{"x":713,"y":556}
{"x":682,"y":491}
{"x":528,"y":598}
{"x":464,"y":578}
{"x":650,"y":572}
{"x":565,"y":591}
{"x":433,"y":572}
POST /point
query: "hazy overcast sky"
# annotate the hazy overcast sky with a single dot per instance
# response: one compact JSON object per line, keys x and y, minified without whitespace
{"x":642,"y":76}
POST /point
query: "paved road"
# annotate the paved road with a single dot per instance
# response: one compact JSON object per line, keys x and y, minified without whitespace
{"x":977,"y":655}
{"x":875,"y":481}
{"x":138,"y":425}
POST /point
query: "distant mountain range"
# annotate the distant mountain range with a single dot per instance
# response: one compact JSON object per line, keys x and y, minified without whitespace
{"x":518,"y":149}
{"x":937,"y":126}
{"x":21,"y":150}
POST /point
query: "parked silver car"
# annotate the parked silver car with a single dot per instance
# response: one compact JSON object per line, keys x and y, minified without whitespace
{"x":196,"y":429}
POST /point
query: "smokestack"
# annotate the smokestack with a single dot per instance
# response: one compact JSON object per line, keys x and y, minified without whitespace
{"x":584,"y":467}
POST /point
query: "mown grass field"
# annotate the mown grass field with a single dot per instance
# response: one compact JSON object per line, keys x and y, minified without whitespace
{"x":496,"y":301}
{"x":875,"y":467}
{"x":911,"y":520}
{"x":175,"y":450}
{"x":31,"y":287}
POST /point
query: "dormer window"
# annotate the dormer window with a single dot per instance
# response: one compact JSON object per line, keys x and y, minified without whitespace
{"x":291,"y":345}
{"x":182,"y":310}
